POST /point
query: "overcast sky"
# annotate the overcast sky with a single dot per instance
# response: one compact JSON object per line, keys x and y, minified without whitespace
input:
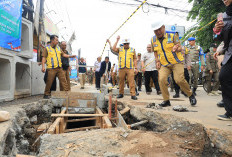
{"x":95,"y":20}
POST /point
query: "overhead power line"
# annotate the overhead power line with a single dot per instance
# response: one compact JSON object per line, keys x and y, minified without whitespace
{"x":151,"y":4}
{"x":122,"y":3}
{"x":164,"y":7}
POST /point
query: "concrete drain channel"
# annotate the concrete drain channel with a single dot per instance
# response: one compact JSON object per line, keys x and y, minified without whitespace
{"x":41,"y":118}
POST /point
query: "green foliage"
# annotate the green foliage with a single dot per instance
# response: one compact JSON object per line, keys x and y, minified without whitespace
{"x":204,"y":11}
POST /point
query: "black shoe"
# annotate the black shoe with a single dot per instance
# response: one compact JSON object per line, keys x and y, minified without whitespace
{"x":177,"y":95}
{"x":46,"y":97}
{"x":134,"y":97}
{"x":194,"y":91}
{"x":165,"y":103}
{"x":82,"y":87}
{"x":139,"y":89}
{"x":224,"y":117}
{"x":193,"y":100}
{"x":120,"y":96}
{"x":221,"y":104}
{"x":159,"y":92}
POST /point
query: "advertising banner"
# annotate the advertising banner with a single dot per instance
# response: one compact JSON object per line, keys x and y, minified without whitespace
{"x":73,"y":74}
{"x":73,"y":64}
{"x":10,"y":24}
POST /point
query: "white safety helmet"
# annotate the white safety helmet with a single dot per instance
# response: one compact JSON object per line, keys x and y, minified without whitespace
{"x":157,"y":25}
{"x":124,"y":41}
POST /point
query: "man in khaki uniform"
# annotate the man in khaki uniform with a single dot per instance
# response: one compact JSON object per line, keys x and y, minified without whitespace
{"x":169,"y":58}
{"x":90,"y":76}
{"x":52,"y":56}
{"x":65,"y":65}
{"x":127,"y":66}
{"x":195,"y":51}
{"x":212,"y":71}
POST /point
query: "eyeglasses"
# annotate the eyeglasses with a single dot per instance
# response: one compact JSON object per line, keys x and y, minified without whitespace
{"x":126,"y":44}
{"x":148,"y":47}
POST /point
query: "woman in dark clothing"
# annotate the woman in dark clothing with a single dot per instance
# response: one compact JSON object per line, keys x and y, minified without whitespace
{"x":223,"y":32}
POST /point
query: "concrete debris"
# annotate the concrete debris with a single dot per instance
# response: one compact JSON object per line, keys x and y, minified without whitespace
{"x":180,"y":108}
{"x":33,"y":119}
{"x":93,"y":153}
{"x":154,"y":106}
{"x":21,"y":134}
{"x":4,"y":116}
{"x":110,"y":154}
{"x":24,"y":145}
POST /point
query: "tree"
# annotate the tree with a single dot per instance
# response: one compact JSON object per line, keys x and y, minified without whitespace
{"x":204,"y":11}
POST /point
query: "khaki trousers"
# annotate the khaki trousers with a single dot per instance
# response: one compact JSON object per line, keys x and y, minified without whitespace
{"x":178,"y":72}
{"x":67,"y":76}
{"x":195,"y":73}
{"x":130,"y":78}
{"x":216,"y":82}
{"x":82,"y":79}
{"x":104,"y":80}
{"x":114,"y":78}
{"x":52,"y":73}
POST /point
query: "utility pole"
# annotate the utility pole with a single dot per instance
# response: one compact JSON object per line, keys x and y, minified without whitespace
{"x":41,"y":17}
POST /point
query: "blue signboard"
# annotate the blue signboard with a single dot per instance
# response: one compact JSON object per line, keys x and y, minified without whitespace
{"x":173,"y":28}
{"x":10,"y":24}
{"x":73,"y":74}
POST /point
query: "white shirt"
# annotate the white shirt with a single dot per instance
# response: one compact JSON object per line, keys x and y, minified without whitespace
{"x":107,"y":64}
{"x":97,"y":66}
{"x":149,"y":58}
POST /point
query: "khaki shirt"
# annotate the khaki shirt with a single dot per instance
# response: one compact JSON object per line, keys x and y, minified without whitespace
{"x":195,"y":52}
{"x":211,"y":63}
{"x":187,"y":58}
{"x":139,"y":66}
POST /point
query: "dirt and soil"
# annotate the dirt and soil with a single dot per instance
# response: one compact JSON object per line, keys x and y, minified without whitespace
{"x":110,"y":142}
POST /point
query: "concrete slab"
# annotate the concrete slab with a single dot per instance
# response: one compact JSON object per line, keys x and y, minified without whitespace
{"x":100,"y":96}
{"x":26,"y":39}
{"x":7,"y":82}
{"x":115,"y":91}
{"x":37,"y":81}
{"x":22,"y":76}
